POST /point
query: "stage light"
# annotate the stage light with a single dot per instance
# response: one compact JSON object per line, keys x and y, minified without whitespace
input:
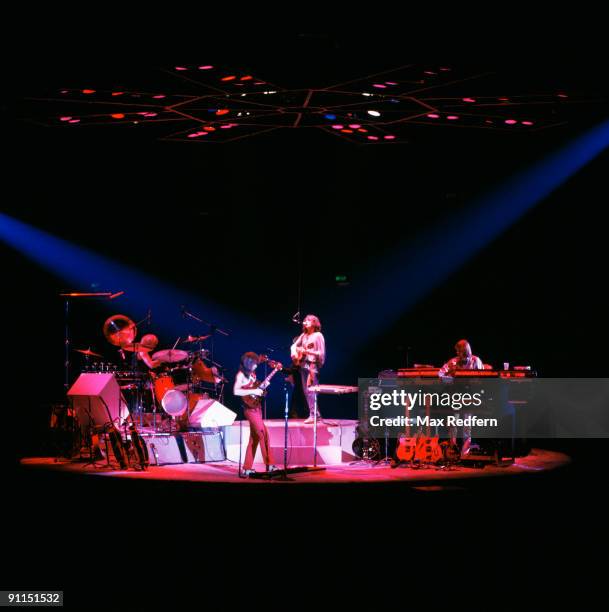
{"x":373,"y":137}
{"x":510,"y":121}
{"x":469,"y":99}
{"x":118,"y":93}
{"x":205,"y":67}
{"x":158,"y":97}
{"x":390,"y":83}
{"x":412,"y":270}
{"x":77,"y":268}
{"x":65,"y":118}
{"x":527,"y":122}
{"x":330,"y":117}
{"x":374,"y":113}
{"x":338,"y":126}
{"x":355,"y":126}
{"x":222,"y":111}
{"x":181,"y":68}
{"x":247,"y":77}
{"x":389,"y":137}
{"x":452,"y":117}
{"x":379,"y":86}
{"x":347,"y":131}
{"x":88,"y":91}
{"x":228,"y":78}
{"x":74,"y":121}
{"x":433,"y":115}
{"x":118,"y":116}
{"x":209,"y":128}
{"x":362,"y":130}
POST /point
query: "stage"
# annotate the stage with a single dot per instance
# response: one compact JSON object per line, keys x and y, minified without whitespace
{"x":538,"y":461}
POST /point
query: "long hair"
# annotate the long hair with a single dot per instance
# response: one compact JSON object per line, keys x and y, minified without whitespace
{"x":316,"y":322}
{"x":248,"y":361}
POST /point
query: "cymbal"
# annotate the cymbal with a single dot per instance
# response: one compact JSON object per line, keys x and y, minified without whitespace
{"x":88,"y":352}
{"x":170,"y":356}
{"x":120,"y":330}
{"x":136,"y":347}
{"x":196,"y":338}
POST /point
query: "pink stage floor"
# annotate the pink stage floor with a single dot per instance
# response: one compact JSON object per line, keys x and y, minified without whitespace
{"x":227,"y":472}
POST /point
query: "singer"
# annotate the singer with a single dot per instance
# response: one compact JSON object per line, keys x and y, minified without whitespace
{"x":308,"y":352}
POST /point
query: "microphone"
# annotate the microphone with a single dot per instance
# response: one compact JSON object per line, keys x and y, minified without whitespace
{"x":296,"y":318}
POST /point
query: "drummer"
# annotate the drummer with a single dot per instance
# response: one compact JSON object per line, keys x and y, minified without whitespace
{"x":147,"y":344}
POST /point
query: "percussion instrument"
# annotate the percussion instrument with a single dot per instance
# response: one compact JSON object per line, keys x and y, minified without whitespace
{"x":88,"y":352}
{"x":170,"y":356}
{"x":120,"y":330}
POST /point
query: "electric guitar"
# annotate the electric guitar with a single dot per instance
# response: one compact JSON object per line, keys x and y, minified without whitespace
{"x":254,"y":401}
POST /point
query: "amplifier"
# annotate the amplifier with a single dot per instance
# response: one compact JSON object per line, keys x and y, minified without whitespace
{"x":202,"y":446}
{"x":163,"y":448}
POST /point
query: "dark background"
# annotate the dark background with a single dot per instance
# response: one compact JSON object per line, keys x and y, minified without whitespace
{"x":230,"y":216}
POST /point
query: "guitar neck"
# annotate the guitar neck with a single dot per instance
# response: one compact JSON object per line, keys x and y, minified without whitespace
{"x":264,"y":384}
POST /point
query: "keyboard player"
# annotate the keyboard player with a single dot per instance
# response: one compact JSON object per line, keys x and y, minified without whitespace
{"x":464,"y":360}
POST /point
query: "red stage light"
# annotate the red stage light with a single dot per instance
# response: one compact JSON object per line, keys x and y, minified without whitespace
{"x":118,"y":93}
{"x":452,"y":117}
{"x":88,"y":91}
{"x":228,"y":78}
{"x":527,"y":123}
{"x":373,"y":137}
{"x":209,"y":128}
{"x":503,"y":99}
{"x":389,"y":137}
{"x":469,"y":99}
{"x":247,"y":77}
{"x":158,"y":96}
{"x":379,"y":85}
{"x":433,"y":116}
{"x":118,"y":116}
{"x":511,"y":121}
{"x":205,"y":67}
{"x":181,"y":68}
{"x":65,"y":118}
{"x":338,"y":126}
{"x":222,"y":111}
{"x":355,"y":126}
{"x":347,"y":131}
{"x":74,"y":121}
{"x":363,"y":131}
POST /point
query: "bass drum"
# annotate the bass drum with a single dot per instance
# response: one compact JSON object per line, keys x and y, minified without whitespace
{"x":174,"y":403}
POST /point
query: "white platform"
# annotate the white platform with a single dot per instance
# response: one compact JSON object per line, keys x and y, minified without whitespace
{"x":334,"y":442}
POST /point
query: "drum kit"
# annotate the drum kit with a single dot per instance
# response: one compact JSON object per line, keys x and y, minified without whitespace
{"x":179,"y":379}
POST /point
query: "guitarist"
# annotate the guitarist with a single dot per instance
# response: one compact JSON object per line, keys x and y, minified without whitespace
{"x":308,"y":353}
{"x":246,"y":386}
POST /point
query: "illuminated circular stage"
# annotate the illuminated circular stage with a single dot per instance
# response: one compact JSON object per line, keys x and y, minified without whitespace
{"x":538,"y":461}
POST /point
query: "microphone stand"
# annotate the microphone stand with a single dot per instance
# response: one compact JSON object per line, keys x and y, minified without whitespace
{"x":212,"y":328}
